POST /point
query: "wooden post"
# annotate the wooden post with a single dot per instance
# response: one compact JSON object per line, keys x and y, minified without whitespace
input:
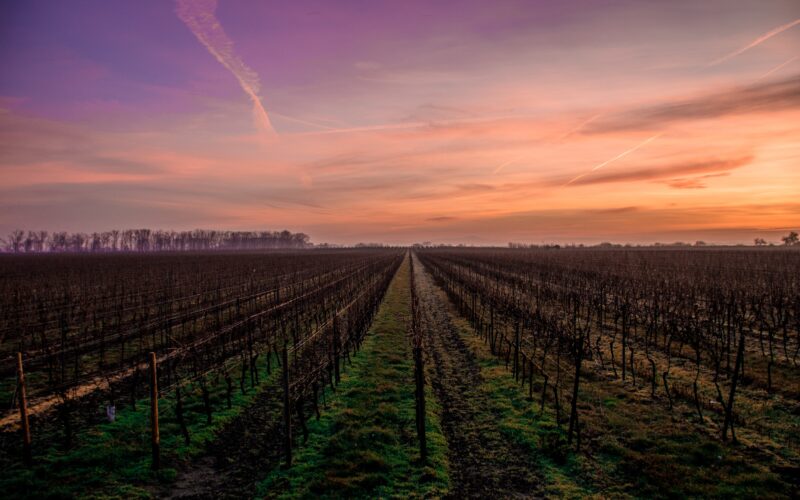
{"x":287,"y":410}
{"x":516,"y":351}
{"x":23,"y":413}
{"x":419,"y":372}
{"x":156,"y":438}
{"x":336,"y":348}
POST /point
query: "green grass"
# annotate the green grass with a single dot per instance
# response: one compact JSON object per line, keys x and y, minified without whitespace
{"x":641,"y":451}
{"x":365,"y":443}
{"x":520,"y":422}
{"x":113,"y":460}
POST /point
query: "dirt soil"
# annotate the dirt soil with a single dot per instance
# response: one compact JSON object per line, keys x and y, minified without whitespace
{"x":483,"y":463}
{"x":239,"y":455}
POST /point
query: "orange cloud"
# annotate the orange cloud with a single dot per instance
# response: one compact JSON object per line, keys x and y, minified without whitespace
{"x":694,"y":182}
{"x":773,"y":96}
{"x":672,"y":170}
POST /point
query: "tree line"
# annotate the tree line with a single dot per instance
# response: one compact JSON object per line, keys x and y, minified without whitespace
{"x":148,"y":240}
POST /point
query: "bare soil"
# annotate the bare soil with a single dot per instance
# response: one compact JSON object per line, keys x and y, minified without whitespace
{"x":483,"y":463}
{"x":239,"y":456}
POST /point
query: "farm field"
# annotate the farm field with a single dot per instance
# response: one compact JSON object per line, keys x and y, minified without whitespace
{"x":429,"y":372}
{"x":456,"y":250}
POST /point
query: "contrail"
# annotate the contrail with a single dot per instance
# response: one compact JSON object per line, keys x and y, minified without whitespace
{"x":563,"y":136}
{"x":304,"y":122}
{"x":580,"y":126}
{"x":410,"y":125}
{"x":199,"y":16}
{"x":367,"y":128}
{"x":507,"y":163}
{"x":776,"y":68}
{"x":621,"y":155}
{"x":766,"y":36}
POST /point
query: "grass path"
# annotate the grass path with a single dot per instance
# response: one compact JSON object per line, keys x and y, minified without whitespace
{"x":364,"y":444}
{"x":484,"y":461}
{"x":499,"y":442}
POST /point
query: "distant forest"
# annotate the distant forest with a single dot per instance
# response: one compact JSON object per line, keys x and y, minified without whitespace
{"x":148,"y":240}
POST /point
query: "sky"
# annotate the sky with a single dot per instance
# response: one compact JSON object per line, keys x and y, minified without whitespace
{"x":453,"y":122}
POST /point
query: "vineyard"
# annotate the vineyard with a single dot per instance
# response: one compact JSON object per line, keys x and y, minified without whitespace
{"x":93,"y":329}
{"x":695,"y":345}
{"x":453,"y":372}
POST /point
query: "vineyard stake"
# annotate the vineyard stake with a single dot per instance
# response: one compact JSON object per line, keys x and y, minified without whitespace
{"x":23,"y":413}
{"x":287,"y":411}
{"x":156,"y":438}
{"x":420,"y":382}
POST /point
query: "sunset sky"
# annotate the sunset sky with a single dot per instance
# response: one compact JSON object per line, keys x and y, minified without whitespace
{"x":478,"y":122}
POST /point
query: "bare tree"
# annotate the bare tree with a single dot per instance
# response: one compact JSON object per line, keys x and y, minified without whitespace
{"x":15,"y":240}
{"x":146,"y":240}
{"x":41,"y":241}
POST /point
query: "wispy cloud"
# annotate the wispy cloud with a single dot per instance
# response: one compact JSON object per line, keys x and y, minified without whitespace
{"x":720,"y":222}
{"x":391,"y":126}
{"x":703,"y":167}
{"x":199,"y":16}
{"x":776,"y":95}
{"x":693,"y":182}
{"x":761,"y":39}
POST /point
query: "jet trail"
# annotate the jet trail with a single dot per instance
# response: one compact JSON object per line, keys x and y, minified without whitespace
{"x":199,"y":16}
{"x":507,"y":163}
{"x":579,"y":127}
{"x":766,"y":36}
{"x":621,"y":155}
{"x":304,"y":122}
{"x":776,"y":68}
{"x":558,"y":139}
